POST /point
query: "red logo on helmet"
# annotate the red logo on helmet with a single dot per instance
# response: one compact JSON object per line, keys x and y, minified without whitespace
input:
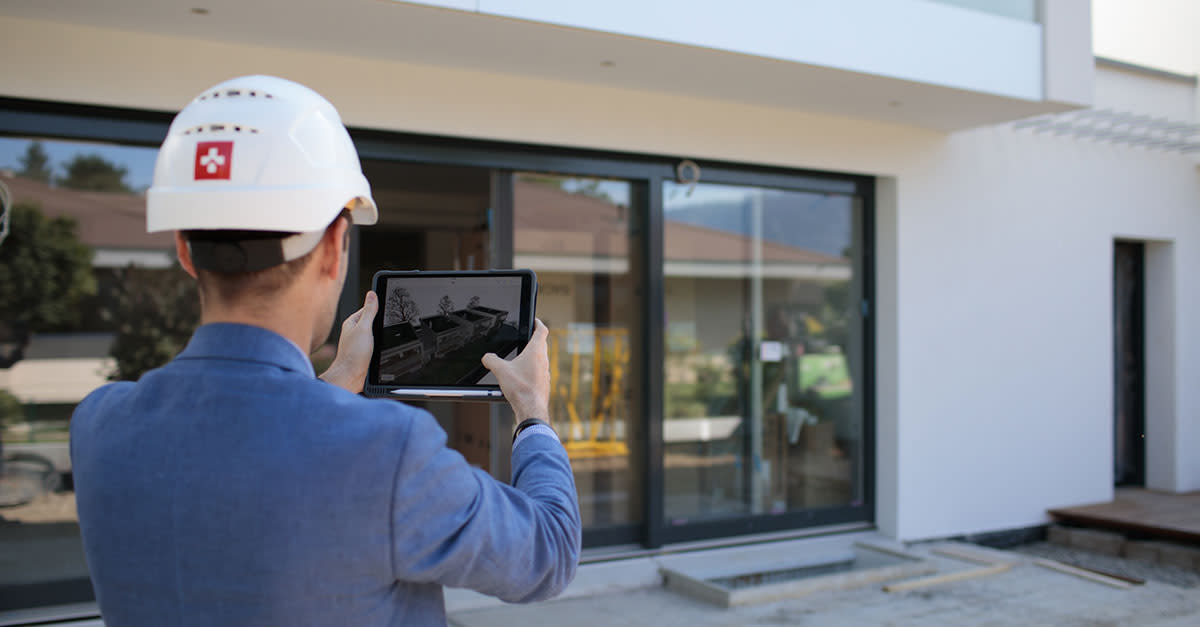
{"x":213,"y":160}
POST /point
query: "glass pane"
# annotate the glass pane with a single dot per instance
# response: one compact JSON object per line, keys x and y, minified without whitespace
{"x":86,"y":296}
{"x":577,"y":234}
{"x":763,"y":342}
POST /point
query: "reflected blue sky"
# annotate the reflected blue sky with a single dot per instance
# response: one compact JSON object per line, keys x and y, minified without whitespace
{"x":813,"y":221}
{"x":139,"y":161}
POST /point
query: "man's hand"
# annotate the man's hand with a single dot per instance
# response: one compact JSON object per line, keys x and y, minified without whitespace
{"x":525,"y":380}
{"x":349,"y":368}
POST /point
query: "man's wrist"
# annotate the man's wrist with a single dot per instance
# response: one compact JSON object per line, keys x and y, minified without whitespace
{"x":338,"y":376}
{"x":525,"y":424}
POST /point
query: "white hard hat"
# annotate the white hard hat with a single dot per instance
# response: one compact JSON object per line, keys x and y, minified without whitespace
{"x":258,"y":153}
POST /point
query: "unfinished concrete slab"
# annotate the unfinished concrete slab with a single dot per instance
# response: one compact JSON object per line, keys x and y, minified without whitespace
{"x":1023,"y":595}
{"x":860,"y":564}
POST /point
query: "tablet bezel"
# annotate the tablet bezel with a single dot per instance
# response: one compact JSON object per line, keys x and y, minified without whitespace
{"x":478,"y":392}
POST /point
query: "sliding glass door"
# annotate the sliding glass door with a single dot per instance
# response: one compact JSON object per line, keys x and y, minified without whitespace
{"x":763,"y":374}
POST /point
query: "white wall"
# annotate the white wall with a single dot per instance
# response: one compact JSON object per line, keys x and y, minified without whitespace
{"x":994,"y":255}
{"x":1130,"y":91}
{"x":1154,"y":33}
{"x":1005,"y":301}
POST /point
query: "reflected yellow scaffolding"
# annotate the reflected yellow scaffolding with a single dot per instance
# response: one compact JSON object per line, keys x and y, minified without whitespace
{"x":609,"y":353}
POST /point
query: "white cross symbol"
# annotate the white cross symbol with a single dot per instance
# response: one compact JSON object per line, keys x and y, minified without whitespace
{"x":213,"y":160}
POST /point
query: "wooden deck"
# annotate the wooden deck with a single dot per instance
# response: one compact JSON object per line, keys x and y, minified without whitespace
{"x":1143,"y":513}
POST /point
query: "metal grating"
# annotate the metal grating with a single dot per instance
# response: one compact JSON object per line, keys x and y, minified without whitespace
{"x":1117,"y":127}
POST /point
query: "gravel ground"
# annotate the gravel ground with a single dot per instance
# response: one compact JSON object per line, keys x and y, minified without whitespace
{"x":1130,"y":568}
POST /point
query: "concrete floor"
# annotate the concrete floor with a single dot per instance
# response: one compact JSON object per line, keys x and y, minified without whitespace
{"x":1025,"y":595}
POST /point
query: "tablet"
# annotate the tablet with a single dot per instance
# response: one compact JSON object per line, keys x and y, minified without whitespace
{"x":433,"y":328}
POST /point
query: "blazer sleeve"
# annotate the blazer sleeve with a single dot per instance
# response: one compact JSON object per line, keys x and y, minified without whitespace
{"x":455,"y":525}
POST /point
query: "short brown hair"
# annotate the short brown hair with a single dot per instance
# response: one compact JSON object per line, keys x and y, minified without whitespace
{"x":228,"y":287}
{"x":232,"y":286}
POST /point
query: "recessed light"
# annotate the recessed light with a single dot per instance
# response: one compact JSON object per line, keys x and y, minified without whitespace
{"x":607,"y":63}
{"x":200,"y":11}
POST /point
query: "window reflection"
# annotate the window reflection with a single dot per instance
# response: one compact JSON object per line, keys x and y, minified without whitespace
{"x":86,"y":297}
{"x":762,"y":411}
{"x":576,"y":233}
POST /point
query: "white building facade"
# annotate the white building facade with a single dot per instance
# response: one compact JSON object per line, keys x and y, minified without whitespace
{"x":963,"y":174}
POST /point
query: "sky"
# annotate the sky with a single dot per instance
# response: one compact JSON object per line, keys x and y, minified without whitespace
{"x":495,"y":292}
{"x":138,"y":160}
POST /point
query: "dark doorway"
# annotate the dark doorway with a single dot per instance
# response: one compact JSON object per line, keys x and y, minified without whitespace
{"x":1129,"y":364}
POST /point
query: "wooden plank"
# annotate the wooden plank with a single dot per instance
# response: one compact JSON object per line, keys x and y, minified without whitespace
{"x":1082,"y":574}
{"x":1137,"y":581}
{"x":936,"y":580}
{"x":967,"y":555}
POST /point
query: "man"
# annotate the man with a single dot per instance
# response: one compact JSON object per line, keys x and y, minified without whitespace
{"x":232,"y":486}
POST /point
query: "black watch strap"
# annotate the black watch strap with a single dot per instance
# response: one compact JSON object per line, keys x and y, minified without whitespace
{"x":525,"y":424}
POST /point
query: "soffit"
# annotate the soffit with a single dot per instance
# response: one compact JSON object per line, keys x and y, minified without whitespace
{"x":385,"y":30}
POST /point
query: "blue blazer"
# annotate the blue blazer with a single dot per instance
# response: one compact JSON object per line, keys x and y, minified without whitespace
{"x":233,"y":487}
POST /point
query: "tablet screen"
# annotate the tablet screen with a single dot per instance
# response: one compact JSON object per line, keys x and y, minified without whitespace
{"x":436,"y":328}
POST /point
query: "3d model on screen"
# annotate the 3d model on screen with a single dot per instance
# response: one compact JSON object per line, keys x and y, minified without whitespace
{"x":427,"y":331}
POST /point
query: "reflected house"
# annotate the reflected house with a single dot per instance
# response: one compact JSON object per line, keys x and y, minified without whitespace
{"x":113,"y":226}
{"x":402,"y":352}
{"x":447,"y":334}
{"x":570,"y":238}
{"x":480,"y":322}
{"x":493,"y":317}
{"x":567,"y":238}
{"x":57,"y":370}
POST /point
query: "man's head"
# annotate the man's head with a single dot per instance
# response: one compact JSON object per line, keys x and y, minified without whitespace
{"x":257,"y":174}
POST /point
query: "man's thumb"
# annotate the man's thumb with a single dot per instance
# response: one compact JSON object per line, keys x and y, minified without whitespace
{"x":491,"y":361}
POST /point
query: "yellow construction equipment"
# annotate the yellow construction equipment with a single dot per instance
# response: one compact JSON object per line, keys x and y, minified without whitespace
{"x":609,"y":350}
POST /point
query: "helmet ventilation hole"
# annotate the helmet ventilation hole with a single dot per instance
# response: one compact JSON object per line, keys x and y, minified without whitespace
{"x":233,"y":93}
{"x":220,"y":128}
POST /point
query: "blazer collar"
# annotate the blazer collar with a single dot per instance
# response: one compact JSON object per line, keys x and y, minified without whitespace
{"x":243,"y":342}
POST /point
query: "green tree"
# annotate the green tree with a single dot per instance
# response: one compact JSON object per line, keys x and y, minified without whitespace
{"x":94,"y":173}
{"x":45,"y":271}
{"x":35,"y":163}
{"x":154,"y":312}
{"x":11,"y":411}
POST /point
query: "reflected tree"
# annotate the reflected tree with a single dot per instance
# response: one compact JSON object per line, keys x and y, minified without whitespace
{"x":35,"y":163}
{"x":94,"y":173}
{"x":45,"y":272}
{"x":154,"y":312}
